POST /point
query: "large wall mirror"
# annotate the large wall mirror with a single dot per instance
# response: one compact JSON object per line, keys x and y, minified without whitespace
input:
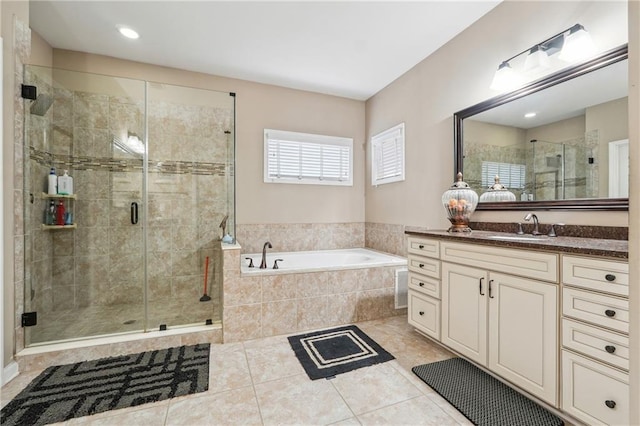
{"x":558,"y":143}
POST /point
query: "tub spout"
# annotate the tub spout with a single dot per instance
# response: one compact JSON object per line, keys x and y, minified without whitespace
{"x":263,"y":264}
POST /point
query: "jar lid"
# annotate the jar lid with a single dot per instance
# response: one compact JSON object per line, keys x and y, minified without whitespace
{"x":497,"y":186}
{"x":460,"y":184}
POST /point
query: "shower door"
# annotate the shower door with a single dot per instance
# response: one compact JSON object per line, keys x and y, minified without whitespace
{"x":189,"y":181}
{"x":152,"y":167}
{"x":84,"y":277}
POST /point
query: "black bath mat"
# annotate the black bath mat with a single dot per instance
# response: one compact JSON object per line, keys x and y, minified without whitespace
{"x":66,"y":391}
{"x":338,"y":350}
{"x":483,"y":399}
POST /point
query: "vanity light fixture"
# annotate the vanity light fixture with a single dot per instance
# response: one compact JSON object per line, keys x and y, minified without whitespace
{"x":128,"y":32}
{"x":574,"y":44}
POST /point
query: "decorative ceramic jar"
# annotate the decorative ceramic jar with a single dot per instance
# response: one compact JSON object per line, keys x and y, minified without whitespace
{"x":459,"y":202}
{"x":496,"y":193}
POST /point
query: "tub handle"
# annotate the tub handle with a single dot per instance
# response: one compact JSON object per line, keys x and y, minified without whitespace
{"x":275,"y":263}
{"x":250,"y":261}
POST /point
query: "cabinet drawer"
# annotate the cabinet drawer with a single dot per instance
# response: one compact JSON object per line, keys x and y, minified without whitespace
{"x":525,"y":263}
{"x":424,"y":314}
{"x":423,"y":247}
{"x":588,"y":387}
{"x":598,"y":309}
{"x":425,"y":285}
{"x":594,"y":274}
{"x":424,"y":266}
{"x":602,"y":345}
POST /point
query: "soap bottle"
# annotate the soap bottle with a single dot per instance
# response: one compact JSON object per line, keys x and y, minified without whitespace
{"x":60,"y":213}
{"x":65,"y":184}
{"x":53,"y":182}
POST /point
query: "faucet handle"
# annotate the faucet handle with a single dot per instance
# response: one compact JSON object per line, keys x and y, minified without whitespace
{"x":250,"y":261}
{"x":275,"y":263}
{"x":552,"y":231}
{"x":519,"y":231}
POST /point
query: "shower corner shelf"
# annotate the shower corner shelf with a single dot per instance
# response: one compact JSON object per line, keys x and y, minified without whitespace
{"x":58,"y":196}
{"x":51,"y":227}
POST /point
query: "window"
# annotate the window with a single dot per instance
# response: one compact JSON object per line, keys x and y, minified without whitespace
{"x":511,"y":175}
{"x":387,"y":156}
{"x":291,"y":157}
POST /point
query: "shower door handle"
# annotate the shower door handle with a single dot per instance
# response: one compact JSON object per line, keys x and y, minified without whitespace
{"x":134,"y":213}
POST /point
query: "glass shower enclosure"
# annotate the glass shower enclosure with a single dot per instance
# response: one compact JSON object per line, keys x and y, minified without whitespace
{"x":153,"y":188}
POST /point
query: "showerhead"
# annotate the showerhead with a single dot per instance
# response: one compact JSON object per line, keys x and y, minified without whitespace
{"x":42,"y":104}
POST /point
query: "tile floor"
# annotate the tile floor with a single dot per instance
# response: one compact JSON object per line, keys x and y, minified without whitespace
{"x":260,"y":382}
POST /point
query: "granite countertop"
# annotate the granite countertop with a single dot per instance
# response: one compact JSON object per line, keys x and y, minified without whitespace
{"x":578,"y":245}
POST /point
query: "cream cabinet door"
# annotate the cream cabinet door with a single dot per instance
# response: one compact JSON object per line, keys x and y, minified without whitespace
{"x":523,"y":333}
{"x":464,"y":311}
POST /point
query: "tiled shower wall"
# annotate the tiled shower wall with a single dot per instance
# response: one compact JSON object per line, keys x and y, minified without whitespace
{"x":101,"y":262}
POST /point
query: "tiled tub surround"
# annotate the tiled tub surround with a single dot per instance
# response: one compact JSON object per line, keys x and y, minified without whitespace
{"x":300,"y":236}
{"x":272,"y":304}
{"x":95,"y":272}
{"x":385,"y":237}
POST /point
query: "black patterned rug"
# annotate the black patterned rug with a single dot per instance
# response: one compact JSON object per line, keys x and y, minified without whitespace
{"x":338,"y":350}
{"x":63,"y":392}
{"x":483,"y":399}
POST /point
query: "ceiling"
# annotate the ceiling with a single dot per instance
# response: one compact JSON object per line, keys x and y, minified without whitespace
{"x":345,"y":48}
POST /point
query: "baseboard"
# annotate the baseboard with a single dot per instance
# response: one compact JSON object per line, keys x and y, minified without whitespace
{"x":9,"y":372}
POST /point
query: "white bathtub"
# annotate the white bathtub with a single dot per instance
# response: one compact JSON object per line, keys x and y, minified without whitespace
{"x":320,"y":260}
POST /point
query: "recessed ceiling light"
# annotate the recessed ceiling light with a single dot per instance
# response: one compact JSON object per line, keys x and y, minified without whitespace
{"x":128,"y":32}
{"x":530,"y":115}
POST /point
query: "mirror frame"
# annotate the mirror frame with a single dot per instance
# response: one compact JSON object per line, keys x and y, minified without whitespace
{"x":610,"y":57}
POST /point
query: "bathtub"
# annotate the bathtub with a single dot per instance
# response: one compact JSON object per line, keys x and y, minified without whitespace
{"x":320,"y":260}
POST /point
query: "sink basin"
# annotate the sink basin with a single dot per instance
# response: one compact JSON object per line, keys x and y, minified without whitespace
{"x":518,"y":238}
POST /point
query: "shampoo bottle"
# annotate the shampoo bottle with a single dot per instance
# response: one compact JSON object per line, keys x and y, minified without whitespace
{"x":53,"y":182}
{"x":50,"y":213}
{"x":65,"y":184}
{"x":60,"y":213}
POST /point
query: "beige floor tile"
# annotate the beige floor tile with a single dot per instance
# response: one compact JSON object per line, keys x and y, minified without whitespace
{"x":154,"y":415}
{"x":349,"y":422}
{"x":235,"y":407}
{"x":449,"y":409}
{"x":273,"y":362}
{"x":300,"y":401}
{"x":415,"y":380}
{"x":387,"y":387}
{"x":416,"y":411}
{"x":228,"y":370}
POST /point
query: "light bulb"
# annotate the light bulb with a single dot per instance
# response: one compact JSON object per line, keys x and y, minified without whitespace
{"x":577,"y":45}
{"x":505,"y":78}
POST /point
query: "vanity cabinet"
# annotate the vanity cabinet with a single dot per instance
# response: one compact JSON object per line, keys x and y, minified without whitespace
{"x":506,"y":323}
{"x":595,"y":340}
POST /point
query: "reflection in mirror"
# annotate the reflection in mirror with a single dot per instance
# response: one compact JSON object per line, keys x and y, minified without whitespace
{"x":551,"y":144}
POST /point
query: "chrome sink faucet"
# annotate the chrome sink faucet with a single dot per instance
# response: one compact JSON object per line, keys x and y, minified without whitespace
{"x":263,"y":264}
{"x":530,"y":216}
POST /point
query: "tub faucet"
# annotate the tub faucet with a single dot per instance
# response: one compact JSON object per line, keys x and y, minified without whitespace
{"x":530,"y":216}
{"x":263,"y":264}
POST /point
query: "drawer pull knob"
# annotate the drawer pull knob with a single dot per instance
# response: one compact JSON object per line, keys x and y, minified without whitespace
{"x":421,"y":246}
{"x":421,"y":284}
{"x":421,"y":312}
{"x":609,"y":403}
{"x":421,"y":265}
{"x":610,"y":349}
{"x":610,"y":277}
{"x":610,"y":313}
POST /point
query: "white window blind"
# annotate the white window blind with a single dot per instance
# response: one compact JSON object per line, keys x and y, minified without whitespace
{"x":511,"y":175}
{"x":387,"y":156}
{"x":292,"y":157}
